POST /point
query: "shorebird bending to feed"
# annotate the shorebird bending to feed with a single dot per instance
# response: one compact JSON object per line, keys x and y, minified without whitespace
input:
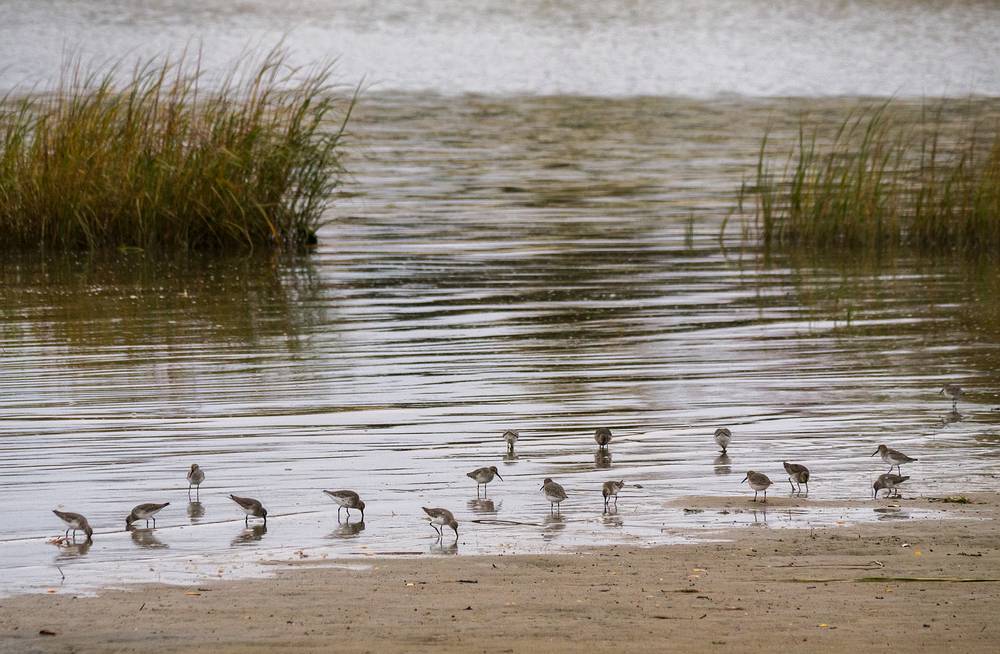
{"x":554,"y":493}
{"x":76,"y":522}
{"x":510,"y":437}
{"x":441,"y":518}
{"x":145,"y":512}
{"x":195,"y":476}
{"x":798,"y":474}
{"x":603,"y":437}
{"x":251,"y":507}
{"x":723,"y":437}
{"x":483,"y":476}
{"x":347,"y":499}
{"x":610,"y":489}
{"x":758,"y":482}
{"x":893,"y":457}
{"x":954,"y":391}
{"x":887,"y":481}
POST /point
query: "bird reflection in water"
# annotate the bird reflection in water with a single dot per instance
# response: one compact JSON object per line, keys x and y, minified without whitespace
{"x":759,"y":518}
{"x":72,"y":550}
{"x":482,"y":506}
{"x":441,"y":546}
{"x":348,"y":530}
{"x":146,"y":539}
{"x":196,"y":511}
{"x":602,"y":459}
{"x":552,"y":526}
{"x":250,"y":535}
{"x":951,"y":417}
{"x":891,"y":513}
{"x":612,"y":519}
{"x":510,"y":457}
{"x":723,"y":465}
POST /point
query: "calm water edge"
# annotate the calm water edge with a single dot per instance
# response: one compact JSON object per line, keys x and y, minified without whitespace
{"x":545,"y":264}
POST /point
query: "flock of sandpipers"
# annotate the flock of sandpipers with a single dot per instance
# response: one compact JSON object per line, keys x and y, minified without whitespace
{"x":439,"y":518}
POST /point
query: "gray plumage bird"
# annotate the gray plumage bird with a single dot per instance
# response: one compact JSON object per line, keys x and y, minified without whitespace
{"x":253,"y":508}
{"x":441,"y":518}
{"x":145,"y":512}
{"x":759,"y":482}
{"x":603,"y":437}
{"x":798,"y":474}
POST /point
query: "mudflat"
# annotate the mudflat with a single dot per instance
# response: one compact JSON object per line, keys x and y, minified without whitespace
{"x":915,"y":585}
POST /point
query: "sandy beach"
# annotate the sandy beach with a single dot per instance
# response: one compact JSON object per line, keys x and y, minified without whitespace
{"x":925,"y":585}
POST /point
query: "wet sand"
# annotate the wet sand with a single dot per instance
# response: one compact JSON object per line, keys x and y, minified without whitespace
{"x":920,"y":585}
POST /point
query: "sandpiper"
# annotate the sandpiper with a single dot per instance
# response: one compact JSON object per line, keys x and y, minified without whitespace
{"x":758,"y":482}
{"x":893,"y":457}
{"x":441,"y":518}
{"x":554,"y":493}
{"x":510,"y":437}
{"x":798,"y":474}
{"x":76,"y":523}
{"x":954,"y":391}
{"x":251,"y":507}
{"x":145,"y":512}
{"x":723,"y":437}
{"x":888,"y":481}
{"x":195,"y":476}
{"x":347,"y":499}
{"x":483,"y":476}
{"x":603,"y":437}
{"x":610,"y":489}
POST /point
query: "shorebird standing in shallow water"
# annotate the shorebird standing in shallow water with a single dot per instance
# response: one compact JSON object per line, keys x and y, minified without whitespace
{"x":554,"y":493}
{"x":954,"y":391}
{"x":887,"y":481}
{"x":347,"y":499}
{"x":195,"y":476}
{"x":893,"y":457}
{"x":603,"y":437}
{"x":798,"y":474}
{"x":483,"y":476}
{"x":441,"y":518}
{"x":145,"y":512}
{"x":76,"y":522}
{"x":610,"y":489}
{"x":723,"y":437}
{"x":510,"y":437}
{"x":758,"y":482}
{"x":251,"y":507}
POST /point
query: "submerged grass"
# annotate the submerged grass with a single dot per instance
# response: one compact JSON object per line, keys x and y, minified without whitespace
{"x":161,"y":158}
{"x":881,"y":181}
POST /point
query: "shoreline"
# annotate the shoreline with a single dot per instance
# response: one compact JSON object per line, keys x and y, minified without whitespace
{"x":929,"y":584}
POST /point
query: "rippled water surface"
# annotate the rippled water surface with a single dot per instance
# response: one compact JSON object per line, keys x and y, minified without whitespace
{"x":698,"y":48}
{"x":550,"y":265}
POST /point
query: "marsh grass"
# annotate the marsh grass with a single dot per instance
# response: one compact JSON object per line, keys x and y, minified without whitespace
{"x":882,"y":180}
{"x":162,"y":158}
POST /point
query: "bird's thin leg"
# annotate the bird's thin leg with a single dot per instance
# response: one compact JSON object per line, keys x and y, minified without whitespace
{"x":807,"y":489}
{"x":616,"y":501}
{"x":755,"y":496}
{"x":67,"y":533}
{"x":246,"y":520}
{"x":765,"y":498}
{"x":154,"y":523}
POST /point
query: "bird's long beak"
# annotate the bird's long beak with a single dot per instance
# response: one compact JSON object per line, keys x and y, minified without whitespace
{"x":745,"y":478}
{"x":498,"y":475}
{"x":875,"y":452}
{"x":941,"y":392}
{"x":541,"y":487}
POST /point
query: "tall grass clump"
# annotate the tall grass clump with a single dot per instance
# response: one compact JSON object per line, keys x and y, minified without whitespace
{"x":163,"y":158}
{"x":881,"y":181}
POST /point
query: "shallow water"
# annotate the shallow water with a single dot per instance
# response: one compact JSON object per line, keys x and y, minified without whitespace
{"x":694,"y":48}
{"x":550,"y":265}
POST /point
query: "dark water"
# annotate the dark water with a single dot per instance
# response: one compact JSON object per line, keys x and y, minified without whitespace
{"x":550,"y":265}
